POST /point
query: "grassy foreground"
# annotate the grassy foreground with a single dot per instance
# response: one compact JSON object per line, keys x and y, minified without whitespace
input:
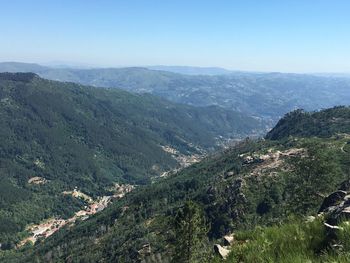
{"x":294,"y":242}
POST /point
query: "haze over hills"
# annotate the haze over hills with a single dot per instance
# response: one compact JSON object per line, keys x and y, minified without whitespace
{"x":187,"y":70}
{"x":264,"y":95}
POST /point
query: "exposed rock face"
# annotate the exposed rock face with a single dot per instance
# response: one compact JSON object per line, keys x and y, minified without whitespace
{"x":224,"y":250}
{"x":332,"y":200}
{"x":339,"y":213}
{"x":336,"y":209}
{"x":229,"y":240}
{"x":221,"y":251}
{"x":229,"y":174}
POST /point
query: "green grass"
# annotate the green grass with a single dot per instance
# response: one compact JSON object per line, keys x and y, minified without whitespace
{"x":294,"y":242}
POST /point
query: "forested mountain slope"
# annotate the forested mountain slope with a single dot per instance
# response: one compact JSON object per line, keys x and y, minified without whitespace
{"x":323,"y":123}
{"x":255,"y":183}
{"x":56,"y":136}
{"x":265,"y":95}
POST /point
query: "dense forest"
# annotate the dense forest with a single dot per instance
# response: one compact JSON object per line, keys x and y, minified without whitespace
{"x":73,"y":136}
{"x":257,"y":189}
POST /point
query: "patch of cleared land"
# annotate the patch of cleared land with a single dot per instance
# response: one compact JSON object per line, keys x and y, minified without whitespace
{"x":268,"y":163}
{"x":37,"y":180}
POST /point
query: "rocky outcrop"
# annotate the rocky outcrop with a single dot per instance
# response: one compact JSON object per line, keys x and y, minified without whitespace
{"x":229,"y":240}
{"x":229,"y":174}
{"x":222,"y":251}
{"x":336,"y":209}
{"x":331,"y":201}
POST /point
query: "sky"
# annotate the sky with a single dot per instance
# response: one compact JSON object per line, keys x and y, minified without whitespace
{"x":254,"y":35}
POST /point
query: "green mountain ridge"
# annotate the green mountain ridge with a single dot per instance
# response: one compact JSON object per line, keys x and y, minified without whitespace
{"x":76,"y":136}
{"x":257,"y":183}
{"x":323,"y":123}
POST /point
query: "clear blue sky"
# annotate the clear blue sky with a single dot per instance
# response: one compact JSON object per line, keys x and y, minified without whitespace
{"x":264,"y":35}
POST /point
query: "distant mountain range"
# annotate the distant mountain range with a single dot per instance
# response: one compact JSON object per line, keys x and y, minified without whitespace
{"x":263,"y":95}
{"x":186,"y":70}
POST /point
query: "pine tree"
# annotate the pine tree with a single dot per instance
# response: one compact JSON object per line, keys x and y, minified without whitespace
{"x":314,"y":176}
{"x":190,"y":233}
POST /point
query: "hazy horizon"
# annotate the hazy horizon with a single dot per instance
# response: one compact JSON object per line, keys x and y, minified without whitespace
{"x":70,"y":64}
{"x":274,"y":36}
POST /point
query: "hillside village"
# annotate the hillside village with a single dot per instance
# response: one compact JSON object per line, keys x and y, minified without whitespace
{"x":52,"y":225}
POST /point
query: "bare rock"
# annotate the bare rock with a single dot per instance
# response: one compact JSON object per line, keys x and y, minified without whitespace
{"x":229,"y":174}
{"x":229,"y":240}
{"x":331,"y":227}
{"x":332,"y":200}
{"x":221,"y":251}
